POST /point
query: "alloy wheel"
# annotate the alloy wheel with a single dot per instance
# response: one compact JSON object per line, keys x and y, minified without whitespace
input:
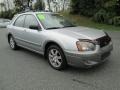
{"x":55,"y":58}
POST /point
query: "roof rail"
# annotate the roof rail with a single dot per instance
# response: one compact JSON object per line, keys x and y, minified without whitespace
{"x":28,"y":10}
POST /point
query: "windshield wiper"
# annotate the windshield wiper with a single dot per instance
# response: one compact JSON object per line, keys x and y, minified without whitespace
{"x":54,"y":28}
{"x":69,"y":26}
{"x":61,"y":27}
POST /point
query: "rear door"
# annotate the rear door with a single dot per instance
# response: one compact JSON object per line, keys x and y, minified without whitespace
{"x":18,"y":30}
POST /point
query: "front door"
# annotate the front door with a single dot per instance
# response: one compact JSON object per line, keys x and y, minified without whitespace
{"x":32,"y":37}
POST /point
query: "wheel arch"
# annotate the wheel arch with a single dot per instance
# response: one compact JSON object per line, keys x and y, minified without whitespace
{"x":8,"y":36}
{"x":49,"y":43}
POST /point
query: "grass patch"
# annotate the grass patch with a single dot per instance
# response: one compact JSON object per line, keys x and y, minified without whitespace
{"x":88,"y":22}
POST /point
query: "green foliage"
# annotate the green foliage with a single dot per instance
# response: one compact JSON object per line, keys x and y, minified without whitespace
{"x":116,"y":20}
{"x":18,"y":3}
{"x":86,"y":7}
{"x":7,"y":14}
{"x":102,"y":11}
{"x":102,"y":16}
{"x":107,"y":13}
{"x":88,"y":22}
{"x":18,"y":6}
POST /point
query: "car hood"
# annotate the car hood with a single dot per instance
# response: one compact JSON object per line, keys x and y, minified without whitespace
{"x":81,"y":32}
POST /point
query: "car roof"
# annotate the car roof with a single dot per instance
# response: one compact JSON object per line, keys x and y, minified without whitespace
{"x":35,"y":12}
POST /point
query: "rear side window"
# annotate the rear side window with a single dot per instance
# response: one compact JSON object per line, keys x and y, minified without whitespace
{"x":30,"y":20}
{"x":20,"y":21}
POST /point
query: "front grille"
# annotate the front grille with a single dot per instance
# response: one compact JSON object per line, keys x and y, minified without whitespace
{"x":103,"y":41}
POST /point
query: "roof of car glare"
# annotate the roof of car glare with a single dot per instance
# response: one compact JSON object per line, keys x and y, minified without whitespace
{"x":35,"y":12}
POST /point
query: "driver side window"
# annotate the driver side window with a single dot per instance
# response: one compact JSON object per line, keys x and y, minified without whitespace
{"x":30,"y":20}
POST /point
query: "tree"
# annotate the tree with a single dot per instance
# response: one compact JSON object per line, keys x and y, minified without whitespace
{"x":28,"y":2}
{"x":103,"y":11}
{"x":18,"y":5}
{"x":2,"y":6}
{"x":118,"y":7}
{"x":8,"y":4}
{"x":48,"y":2}
{"x":39,"y":5}
{"x":63,"y":5}
{"x":55,"y":5}
{"x":87,"y":7}
{"x":5,"y":7}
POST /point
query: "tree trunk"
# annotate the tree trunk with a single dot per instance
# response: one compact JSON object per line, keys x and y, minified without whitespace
{"x":63,"y":5}
{"x":8,"y":5}
{"x":28,"y":3}
{"x":48,"y":1}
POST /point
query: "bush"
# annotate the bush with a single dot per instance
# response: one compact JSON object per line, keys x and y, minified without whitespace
{"x":100,"y":16}
{"x":83,"y":7}
{"x":39,"y":5}
{"x":7,"y":14}
{"x":116,"y":20}
{"x":110,"y":21}
{"x":102,"y":11}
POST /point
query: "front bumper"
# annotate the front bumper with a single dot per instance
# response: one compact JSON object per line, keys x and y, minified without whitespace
{"x":89,"y":59}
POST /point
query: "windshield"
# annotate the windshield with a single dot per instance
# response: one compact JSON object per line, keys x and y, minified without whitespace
{"x":53,"y":21}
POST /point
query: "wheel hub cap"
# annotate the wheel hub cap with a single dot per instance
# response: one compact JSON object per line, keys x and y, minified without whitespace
{"x":12,"y":44}
{"x":55,"y":57}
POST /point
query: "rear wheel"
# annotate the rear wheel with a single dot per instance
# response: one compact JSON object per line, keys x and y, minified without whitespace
{"x":12,"y":43}
{"x":56,"y":57}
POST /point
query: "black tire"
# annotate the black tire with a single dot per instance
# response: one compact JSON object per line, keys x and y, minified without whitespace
{"x":12,"y":43}
{"x":63,"y":61}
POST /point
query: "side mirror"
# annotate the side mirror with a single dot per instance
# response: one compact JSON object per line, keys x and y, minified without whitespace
{"x":34,"y":27}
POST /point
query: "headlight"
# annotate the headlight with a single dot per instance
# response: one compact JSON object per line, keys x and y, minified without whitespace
{"x":85,"y":46}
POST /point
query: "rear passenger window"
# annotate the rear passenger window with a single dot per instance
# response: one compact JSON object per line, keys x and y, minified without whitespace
{"x":20,"y":21}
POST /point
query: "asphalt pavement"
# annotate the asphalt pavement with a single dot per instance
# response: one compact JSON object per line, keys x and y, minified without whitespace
{"x":25,"y":70}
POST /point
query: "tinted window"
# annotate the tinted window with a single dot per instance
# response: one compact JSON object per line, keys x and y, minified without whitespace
{"x":20,"y":21}
{"x":30,"y":20}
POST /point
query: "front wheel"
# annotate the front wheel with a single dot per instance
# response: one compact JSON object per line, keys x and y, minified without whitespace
{"x":56,"y":57}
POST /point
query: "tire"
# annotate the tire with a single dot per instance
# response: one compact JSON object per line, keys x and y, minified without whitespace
{"x":12,"y":43}
{"x":56,"y":57}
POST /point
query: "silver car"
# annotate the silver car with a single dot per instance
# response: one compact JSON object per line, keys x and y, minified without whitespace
{"x":61,"y":42}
